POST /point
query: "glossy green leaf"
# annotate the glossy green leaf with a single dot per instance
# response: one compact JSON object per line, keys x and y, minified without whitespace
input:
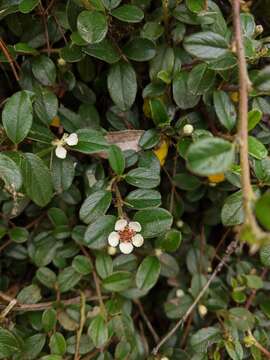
{"x":118,"y":281}
{"x":143,"y":178}
{"x":98,"y":331}
{"x":256,"y":148}
{"x":97,"y":233}
{"x":143,"y":199}
{"x":17,"y":116}
{"x":92,"y":26}
{"x":10,"y":173}
{"x":262,"y":208}
{"x":122,"y":85}
{"x":210,"y":156}
{"x":9,"y":344}
{"x":44,"y":70}
{"x":225,"y":109}
{"x":116,"y":159}
{"x":148,"y":273}
{"x":95,"y":205}
{"x":128,"y":13}
{"x":154,"y":221}
{"x":139,"y":49}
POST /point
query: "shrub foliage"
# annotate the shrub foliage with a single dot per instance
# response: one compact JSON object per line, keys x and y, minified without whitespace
{"x":117,"y":110}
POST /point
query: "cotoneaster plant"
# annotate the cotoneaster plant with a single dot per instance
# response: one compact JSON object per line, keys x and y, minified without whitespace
{"x":134,"y":180}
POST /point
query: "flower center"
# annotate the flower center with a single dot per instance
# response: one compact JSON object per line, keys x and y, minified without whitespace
{"x":126,"y":234}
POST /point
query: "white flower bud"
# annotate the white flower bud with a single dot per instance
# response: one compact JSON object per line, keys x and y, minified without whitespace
{"x":259,"y":29}
{"x":113,"y":239}
{"x":120,"y":225}
{"x":179,"y":293}
{"x":180,"y":223}
{"x":126,"y":247}
{"x":60,"y":152}
{"x":158,"y":252}
{"x":61,"y":62}
{"x":188,"y":129}
{"x":72,"y":139}
{"x":202,"y":310}
{"x":164,"y":358}
{"x":135,"y":226}
{"x":111,"y":250}
{"x":137,"y":240}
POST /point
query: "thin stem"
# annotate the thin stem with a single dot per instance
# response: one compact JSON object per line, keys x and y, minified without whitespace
{"x":147,"y":321}
{"x":9,"y":58}
{"x":119,"y":201}
{"x":230,"y":249}
{"x":258,"y":345}
{"x":243,"y":112}
{"x":80,"y":330}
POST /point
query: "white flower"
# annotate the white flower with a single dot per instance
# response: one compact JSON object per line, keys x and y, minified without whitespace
{"x":188,"y":129}
{"x":66,"y":139}
{"x":60,"y":152}
{"x":179,"y":293}
{"x":72,"y":139}
{"x":202,"y":310}
{"x":126,"y":236}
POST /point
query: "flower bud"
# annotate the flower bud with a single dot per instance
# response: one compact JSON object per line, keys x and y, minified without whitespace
{"x":61,"y":62}
{"x":258,"y":29}
{"x":111,"y":250}
{"x":202,"y":310}
{"x":188,"y":129}
{"x":158,"y":252}
{"x":179,"y":293}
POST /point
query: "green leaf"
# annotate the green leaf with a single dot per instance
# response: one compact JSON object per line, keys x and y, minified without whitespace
{"x":10,"y":173}
{"x":122,"y":85}
{"x":17,"y":116}
{"x":128,"y":13}
{"x":19,"y":234}
{"x":92,"y":26}
{"x":29,"y":295}
{"x":241,"y":318}
{"x":256,"y":148}
{"x":254,"y":117}
{"x":206,"y":45}
{"x":181,"y":92}
{"x":254,"y":282}
{"x":200,"y":79}
{"x":262,"y":208}
{"x":45,"y":105}
{"x":26,"y":6}
{"x":95,"y":206}
{"x":58,"y":344}
{"x":143,"y":199}
{"x":63,"y":173}
{"x":195,"y":6}
{"x":159,"y":112}
{"x":104,"y":265}
{"x":225,"y":109}
{"x":49,"y":320}
{"x":204,"y":338}
{"x":97,"y":233}
{"x":37,"y":179}
{"x":82,"y":265}
{"x":67,"y":279}
{"x":118,"y":281}
{"x":104,"y":51}
{"x":209,"y":156}
{"x":148,"y":273}
{"x":140,"y":49}
{"x":90,"y":141}
{"x":261,"y":81}
{"x":111,"y":4}
{"x":171,"y":240}
{"x":9,"y":344}
{"x":46,"y":276}
{"x":116,"y":159}
{"x":143,"y":178}
{"x":154,"y":221}
{"x":98,"y":331}
{"x":44,"y":70}
{"x":232,"y":211}
{"x":265,"y":255}
{"x":33,"y":346}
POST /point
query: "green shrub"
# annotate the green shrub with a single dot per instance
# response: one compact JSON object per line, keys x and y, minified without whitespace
{"x":134,"y":175}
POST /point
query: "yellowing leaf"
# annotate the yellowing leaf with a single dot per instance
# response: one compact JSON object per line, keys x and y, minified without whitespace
{"x":216,"y":178}
{"x":162,"y":151}
{"x":55,"y":121}
{"x":146,"y":108}
{"x":234,"y":95}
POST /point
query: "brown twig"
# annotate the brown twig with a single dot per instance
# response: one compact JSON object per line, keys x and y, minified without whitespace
{"x":230,"y":249}
{"x":80,"y":330}
{"x":6,"y":244}
{"x":147,"y":321}
{"x":9,"y":58}
{"x":45,"y":305}
{"x":258,"y":345}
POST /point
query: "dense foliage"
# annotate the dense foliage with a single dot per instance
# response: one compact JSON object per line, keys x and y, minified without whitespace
{"x":116,"y":110}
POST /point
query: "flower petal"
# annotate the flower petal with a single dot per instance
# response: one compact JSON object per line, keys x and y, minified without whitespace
{"x":120,"y":224}
{"x":137,"y":240}
{"x":113,"y":239}
{"x":60,"y":152}
{"x":72,"y":139}
{"x":126,"y":247}
{"x":135,"y":225}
